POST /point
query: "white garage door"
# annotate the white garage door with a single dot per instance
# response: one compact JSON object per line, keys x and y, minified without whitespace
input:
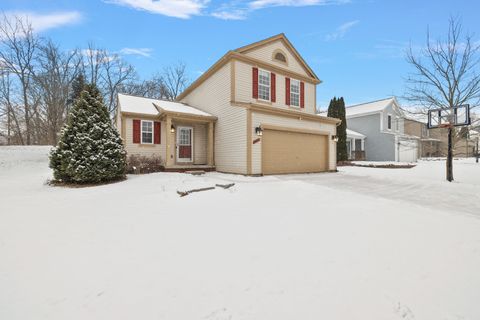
{"x":408,"y":151}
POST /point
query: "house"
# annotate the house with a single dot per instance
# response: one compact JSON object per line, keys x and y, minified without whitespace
{"x":253,"y":112}
{"x":355,"y":146}
{"x":382,"y":124}
{"x":427,"y":146}
{"x":464,"y":145}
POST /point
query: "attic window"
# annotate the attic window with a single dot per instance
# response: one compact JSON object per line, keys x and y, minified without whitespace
{"x":280,"y":57}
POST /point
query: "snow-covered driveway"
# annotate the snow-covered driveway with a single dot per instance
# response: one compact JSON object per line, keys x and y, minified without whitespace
{"x":352,"y":245}
{"x":423,"y":185}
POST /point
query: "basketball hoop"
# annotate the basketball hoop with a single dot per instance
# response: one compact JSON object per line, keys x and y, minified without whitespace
{"x":449,"y":117}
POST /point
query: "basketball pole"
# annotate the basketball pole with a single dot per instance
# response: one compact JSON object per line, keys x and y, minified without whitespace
{"x":450,"y":155}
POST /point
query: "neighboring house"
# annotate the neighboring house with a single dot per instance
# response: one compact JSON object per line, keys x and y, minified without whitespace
{"x":463,"y":146}
{"x":382,"y":123}
{"x":253,"y":112}
{"x":355,"y":145}
{"x":427,"y":146}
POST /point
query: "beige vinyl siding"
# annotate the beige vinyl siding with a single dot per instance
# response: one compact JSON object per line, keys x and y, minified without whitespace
{"x":213,"y":96}
{"x":243,"y":83}
{"x":259,"y":119}
{"x":265,"y":53}
{"x":200,"y":144}
{"x":143,"y":149}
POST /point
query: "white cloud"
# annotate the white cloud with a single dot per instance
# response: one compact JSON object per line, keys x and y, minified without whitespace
{"x":183,"y":9}
{"x":236,"y":14}
{"x":341,"y":31}
{"x":239,"y":10}
{"x":144,"y":52}
{"x":43,"y":22}
{"x":258,"y":4}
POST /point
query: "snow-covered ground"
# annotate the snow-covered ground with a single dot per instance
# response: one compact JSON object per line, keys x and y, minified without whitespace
{"x":363,"y":243}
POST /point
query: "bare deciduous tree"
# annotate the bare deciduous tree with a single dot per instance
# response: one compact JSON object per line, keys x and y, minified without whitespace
{"x":18,"y":46}
{"x":116,"y":72}
{"x":175,"y":79}
{"x":445,"y":75}
{"x":56,"y":72}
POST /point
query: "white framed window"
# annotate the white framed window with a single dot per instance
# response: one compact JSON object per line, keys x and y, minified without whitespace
{"x":147,"y":131}
{"x":397,"y":124}
{"x":389,"y":122}
{"x":264,"y":85}
{"x":294,"y":92}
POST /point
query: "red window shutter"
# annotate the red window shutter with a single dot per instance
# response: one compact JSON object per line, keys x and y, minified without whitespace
{"x":255,"y":83}
{"x":273,"y":87}
{"x":157,"y":135}
{"x":136,"y":131}
{"x":287,"y":91}
{"x":302,"y":95}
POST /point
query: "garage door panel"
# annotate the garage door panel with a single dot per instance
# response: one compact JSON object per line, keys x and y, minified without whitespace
{"x":408,"y":151}
{"x":293,"y":152}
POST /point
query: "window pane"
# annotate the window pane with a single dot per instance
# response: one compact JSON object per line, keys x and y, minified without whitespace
{"x":264,"y":85}
{"x":147,"y":132}
{"x":147,"y":137}
{"x":295,"y":93}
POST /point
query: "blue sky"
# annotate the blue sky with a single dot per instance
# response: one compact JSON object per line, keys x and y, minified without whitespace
{"x":355,"y":46}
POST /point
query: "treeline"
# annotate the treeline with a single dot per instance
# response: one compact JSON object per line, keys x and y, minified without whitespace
{"x":39,"y":80}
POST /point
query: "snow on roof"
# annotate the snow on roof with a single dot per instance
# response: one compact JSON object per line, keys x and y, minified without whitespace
{"x":368,"y":107}
{"x":419,"y":117}
{"x":354,"y":134}
{"x":171,"y":106}
{"x":135,"y":104}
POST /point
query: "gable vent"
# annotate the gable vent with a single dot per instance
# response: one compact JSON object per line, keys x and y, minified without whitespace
{"x":280,"y":57}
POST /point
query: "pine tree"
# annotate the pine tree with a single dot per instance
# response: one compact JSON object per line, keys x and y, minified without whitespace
{"x":342,"y":131}
{"x":332,"y":110}
{"x":336,"y":109}
{"x":90,"y":149}
{"x":78,"y":85}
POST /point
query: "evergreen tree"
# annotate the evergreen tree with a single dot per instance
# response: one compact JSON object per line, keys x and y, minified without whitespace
{"x":336,"y":109}
{"x":90,"y":149}
{"x":342,"y":131}
{"x":332,"y":110}
{"x":78,"y":85}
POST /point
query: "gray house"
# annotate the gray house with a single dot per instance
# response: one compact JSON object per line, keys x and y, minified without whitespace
{"x":382,"y":124}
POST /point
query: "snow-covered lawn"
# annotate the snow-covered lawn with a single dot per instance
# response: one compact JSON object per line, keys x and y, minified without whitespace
{"x":363,"y":243}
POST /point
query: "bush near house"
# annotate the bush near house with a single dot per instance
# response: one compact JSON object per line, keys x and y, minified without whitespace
{"x":138,"y":164}
{"x":90,"y":149}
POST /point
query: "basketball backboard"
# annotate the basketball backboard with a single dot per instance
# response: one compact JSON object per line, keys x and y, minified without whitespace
{"x":445,"y":117}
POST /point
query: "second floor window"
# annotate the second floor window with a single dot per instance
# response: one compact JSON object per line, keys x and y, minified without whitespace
{"x":294,"y":93}
{"x":263,"y":85}
{"x":389,"y":122}
{"x":397,"y":124}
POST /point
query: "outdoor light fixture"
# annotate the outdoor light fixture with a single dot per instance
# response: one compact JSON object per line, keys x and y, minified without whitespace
{"x":172,"y":129}
{"x":335,"y":138}
{"x":259,"y":131}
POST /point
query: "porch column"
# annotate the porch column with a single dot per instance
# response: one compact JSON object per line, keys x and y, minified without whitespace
{"x":169,"y":144}
{"x":210,"y":159}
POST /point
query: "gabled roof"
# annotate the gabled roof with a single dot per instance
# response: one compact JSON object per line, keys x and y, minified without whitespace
{"x":240,"y":55}
{"x":155,"y":107}
{"x":287,"y":44}
{"x":370,"y":107}
{"x":355,"y":134}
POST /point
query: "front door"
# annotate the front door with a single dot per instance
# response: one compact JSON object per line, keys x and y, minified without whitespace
{"x":184,"y":144}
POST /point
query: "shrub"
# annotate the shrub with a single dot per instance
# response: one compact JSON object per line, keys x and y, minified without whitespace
{"x":138,"y":164}
{"x":90,"y":149}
